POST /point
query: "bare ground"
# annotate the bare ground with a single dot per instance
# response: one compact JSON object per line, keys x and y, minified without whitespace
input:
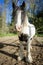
{"x":9,"y":47}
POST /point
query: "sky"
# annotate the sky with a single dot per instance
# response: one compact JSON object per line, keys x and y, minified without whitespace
{"x":9,"y":7}
{"x":8,"y":10}
{"x":1,"y":2}
{"x":1,"y":5}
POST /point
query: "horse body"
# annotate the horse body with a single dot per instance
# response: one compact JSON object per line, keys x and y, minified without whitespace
{"x":26,"y":31}
{"x":29,"y":30}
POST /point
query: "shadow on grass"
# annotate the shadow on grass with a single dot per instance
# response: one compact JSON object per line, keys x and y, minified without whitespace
{"x":3,"y":45}
{"x":38,"y":43}
{"x":10,"y":55}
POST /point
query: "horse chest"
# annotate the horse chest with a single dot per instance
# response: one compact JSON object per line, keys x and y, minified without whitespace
{"x":30,"y":30}
{"x":25,"y":30}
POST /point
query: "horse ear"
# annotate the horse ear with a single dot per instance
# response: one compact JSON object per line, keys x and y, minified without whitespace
{"x":13,"y":5}
{"x":23,"y":6}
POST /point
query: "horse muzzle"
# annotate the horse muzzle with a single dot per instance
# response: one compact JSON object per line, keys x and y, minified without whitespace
{"x":18,"y":28}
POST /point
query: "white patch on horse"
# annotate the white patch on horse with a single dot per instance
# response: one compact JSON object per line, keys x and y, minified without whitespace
{"x":18,"y":18}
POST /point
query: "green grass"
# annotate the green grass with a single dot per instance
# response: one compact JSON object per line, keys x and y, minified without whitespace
{"x":40,"y":35}
{"x":9,"y":34}
{"x":13,"y":34}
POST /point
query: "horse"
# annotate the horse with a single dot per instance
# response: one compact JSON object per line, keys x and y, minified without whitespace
{"x":26,"y":31}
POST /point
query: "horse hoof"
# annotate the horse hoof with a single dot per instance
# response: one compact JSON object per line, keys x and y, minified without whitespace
{"x":19,"y":58}
{"x":29,"y":60}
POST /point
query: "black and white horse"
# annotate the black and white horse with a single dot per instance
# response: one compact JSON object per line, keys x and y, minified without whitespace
{"x":25,"y":29}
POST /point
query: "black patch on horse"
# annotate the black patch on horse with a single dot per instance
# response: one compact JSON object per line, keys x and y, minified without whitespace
{"x":23,"y":37}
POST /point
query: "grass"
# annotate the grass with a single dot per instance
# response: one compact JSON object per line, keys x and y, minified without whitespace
{"x":40,"y":35}
{"x":8,"y":34}
{"x":13,"y":34}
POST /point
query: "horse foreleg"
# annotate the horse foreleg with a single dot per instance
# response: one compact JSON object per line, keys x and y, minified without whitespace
{"x":21,"y":52}
{"x":29,"y":57}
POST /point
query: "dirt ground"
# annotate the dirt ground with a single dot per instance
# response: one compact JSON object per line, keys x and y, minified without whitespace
{"x":9,"y":48}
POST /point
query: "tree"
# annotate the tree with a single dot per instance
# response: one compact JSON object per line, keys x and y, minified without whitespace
{"x":0,"y":23}
{"x":4,"y":25}
{"x":0,"y":18}
{"x":12,"y":25}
